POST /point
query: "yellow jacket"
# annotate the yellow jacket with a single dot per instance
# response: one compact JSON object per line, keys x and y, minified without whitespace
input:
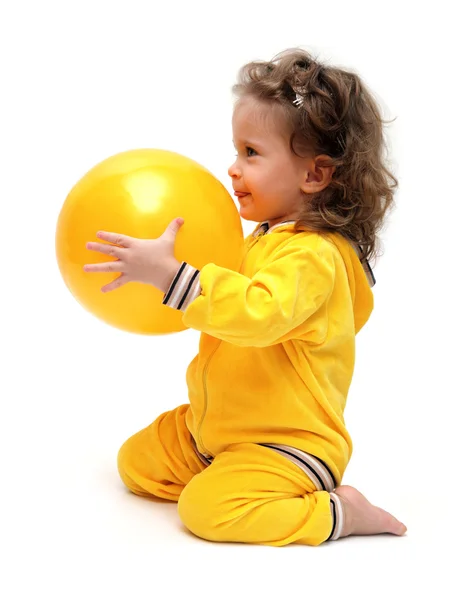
{"x":277,"y":349}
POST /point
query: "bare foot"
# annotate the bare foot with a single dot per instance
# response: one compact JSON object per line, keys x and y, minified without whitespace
{"x":362,"y":518}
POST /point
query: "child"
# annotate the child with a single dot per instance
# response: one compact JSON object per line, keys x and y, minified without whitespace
{"x":259,"y":453}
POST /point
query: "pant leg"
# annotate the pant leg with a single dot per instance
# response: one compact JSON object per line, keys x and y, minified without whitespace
{"x":252,"y":494}
{"x":160,"y":460}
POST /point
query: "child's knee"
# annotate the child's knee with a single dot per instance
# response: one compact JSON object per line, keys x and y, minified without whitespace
{"x":200,"y":508}
{"x":126,"y":460}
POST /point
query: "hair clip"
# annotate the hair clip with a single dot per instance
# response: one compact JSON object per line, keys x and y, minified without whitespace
{"x":299,"y":100}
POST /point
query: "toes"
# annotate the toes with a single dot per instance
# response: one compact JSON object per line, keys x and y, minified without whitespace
{"x":395,"y":527}
{"x":401,"y":529}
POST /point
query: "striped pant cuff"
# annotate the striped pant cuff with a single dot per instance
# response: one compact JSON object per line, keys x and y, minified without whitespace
{"x":184,"y":288}
{"x":317,"y":471}
{"x":337,"y":514}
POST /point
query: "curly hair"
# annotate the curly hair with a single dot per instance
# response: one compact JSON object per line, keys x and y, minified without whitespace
{"x":330,"y":111}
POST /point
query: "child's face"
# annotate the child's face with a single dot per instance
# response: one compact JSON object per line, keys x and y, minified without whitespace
{"x":265,"y":167}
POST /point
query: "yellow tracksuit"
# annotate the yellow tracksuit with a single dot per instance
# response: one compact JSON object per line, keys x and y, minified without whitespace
{"x":256,"y":454}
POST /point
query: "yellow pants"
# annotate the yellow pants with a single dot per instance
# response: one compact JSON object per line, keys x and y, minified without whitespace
{"x":249,"y":493}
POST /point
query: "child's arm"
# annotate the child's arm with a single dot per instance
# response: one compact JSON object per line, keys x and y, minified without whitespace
{"x":259,"y":311}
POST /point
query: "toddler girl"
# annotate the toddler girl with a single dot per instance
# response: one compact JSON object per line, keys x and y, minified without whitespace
{"x":259,"y":452}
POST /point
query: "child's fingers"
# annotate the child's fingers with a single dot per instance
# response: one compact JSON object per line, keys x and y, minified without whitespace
{"x":109,"y":267}
{"x":106,"y":249}
{"x":113,"y":285}
{"x":115,"y":238}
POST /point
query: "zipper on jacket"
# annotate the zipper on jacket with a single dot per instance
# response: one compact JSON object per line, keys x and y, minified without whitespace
{"x":253,"y":243}
{"x":256,"y":240}
{"x":205,"y":398}
{"x":207,"y":364}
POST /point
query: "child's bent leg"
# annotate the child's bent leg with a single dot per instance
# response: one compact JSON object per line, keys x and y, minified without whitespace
{"x":252,"y":494}
{"x":160,"y":460}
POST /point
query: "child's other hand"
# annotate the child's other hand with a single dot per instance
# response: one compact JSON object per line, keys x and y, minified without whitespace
{"x":146,"y":261}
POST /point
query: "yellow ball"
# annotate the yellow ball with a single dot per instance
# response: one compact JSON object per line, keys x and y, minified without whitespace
{"x":138,"y":193}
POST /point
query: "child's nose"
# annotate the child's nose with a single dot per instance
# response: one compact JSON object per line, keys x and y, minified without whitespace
{"x":233,"y":170}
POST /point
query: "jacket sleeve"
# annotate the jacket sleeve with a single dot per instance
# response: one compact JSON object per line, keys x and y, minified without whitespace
{"x":255,"y":311}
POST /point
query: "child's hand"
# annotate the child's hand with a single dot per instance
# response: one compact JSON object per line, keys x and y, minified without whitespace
{"x":147,"y":261}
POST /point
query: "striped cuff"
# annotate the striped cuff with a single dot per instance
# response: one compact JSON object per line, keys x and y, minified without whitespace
{"x":317,"y":471}
{"x":337,"y":514}
{"x":184,"y":288}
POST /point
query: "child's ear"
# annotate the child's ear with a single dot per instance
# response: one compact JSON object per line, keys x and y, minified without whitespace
{"x":316,"y":177}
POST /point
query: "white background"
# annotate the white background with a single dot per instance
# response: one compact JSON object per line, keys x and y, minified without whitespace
{"x":84,"y":80}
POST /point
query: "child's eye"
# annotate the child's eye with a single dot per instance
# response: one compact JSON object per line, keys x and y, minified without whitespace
{"x":250,"y":151}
